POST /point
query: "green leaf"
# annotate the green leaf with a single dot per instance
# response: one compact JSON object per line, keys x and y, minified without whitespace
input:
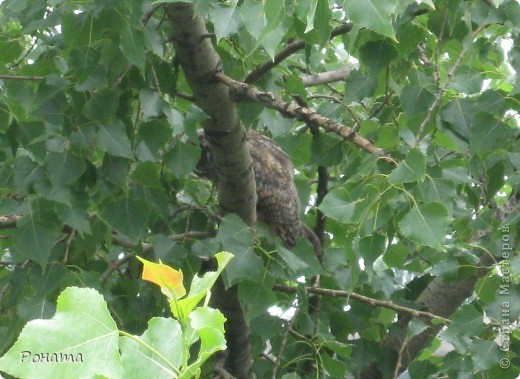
{"x":27,"y":175}
{"x":182,"y":159}
{"x":113,"y":139}
{"x":37,"y":232}
{"x":64,"y":168}
{"x":161,"y":347}
{"x":359,"y":86}
{"x":34,"y":239}
{"x":199,"y":288}
{"x":132,"y":46}
{"x":467,"y":80}
{"x":460,"y":113}
{"x":326,"y":150}
{"x":147,"y":174}
{"x":11,"y":50}
{"x":372,"y":14}
{"x":294,"y":263}
{"x":128,"y":217}
{"x":484,"y":354}
{"x":437,"y":190}
{"x":102,"y":106}
{"x":370,"y":248}
{"x":115,"y":170}
{"x":416,"y":100}
{"x":225,"y":18}
{"x":488,"y":133}
{"x":235,"y":236}
{"x":151,"y":103}
{"x":378,"y":55}
{"x":209,"y":324}
{"x":310,"y":11}
{"x":412,"y":169}
{"x":253,"y":17}
{"x":467,"y":321}
{"x":415,"y":327}
{"x":338,"y":205}
{"x":322,"y":21}
{"x":426,"y":224}
{"x":79,"y":341}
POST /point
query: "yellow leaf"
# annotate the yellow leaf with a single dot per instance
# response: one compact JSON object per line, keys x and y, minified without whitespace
{"x":169,"y":279}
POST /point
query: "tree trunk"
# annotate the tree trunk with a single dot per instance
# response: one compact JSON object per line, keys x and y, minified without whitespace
{"x":226,"y":137}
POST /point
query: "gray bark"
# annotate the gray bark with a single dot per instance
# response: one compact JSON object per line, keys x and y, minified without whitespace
{"x":226,"y":136}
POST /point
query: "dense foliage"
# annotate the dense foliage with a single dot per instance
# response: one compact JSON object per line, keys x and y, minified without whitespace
{"x":98,"y":145}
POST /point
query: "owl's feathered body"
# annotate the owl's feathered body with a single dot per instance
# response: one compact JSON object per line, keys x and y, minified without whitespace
{"x":277,"y":198}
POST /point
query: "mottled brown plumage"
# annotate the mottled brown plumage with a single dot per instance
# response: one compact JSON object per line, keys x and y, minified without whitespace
{"x":277,"y":198}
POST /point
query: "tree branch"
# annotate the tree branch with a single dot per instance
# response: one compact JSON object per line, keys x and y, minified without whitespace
{"x":309,"y":116}
{"x":440,"y":298}
{"x":21,"y":77}
{"x":327,"y":76}
{"x":9,"y":222}
{"x":287,"y":51}
{"x":227,"y":142}
{"x":364,"y":299}
{"x":146,"y":248}
{"x":442,"y":89}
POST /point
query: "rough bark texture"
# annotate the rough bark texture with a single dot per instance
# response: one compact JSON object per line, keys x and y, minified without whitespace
{"x":226,"y":136}
{"x":224,"y":132}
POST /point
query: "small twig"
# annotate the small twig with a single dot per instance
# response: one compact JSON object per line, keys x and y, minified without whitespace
{"x":327,"y":76}
{"x":9,"y":222}
{"x":286,"y":52}
{"x":268,"y":358}
{"x":67,"y":245}
{"x":442,"y":88}
{"x":364,"y":299}
{"x":120,"y":78}
{"x":29,"y":50}
{"x":185,"y":96}
{"x":357,"y":125}
{"x":400,"y":358}
{"x":21,"y":77}
{"x":146,"y":248}
{"x":146,"y":17}
{"x":222,"y":373}
{"x":283,"y":343}
{"x":115,"y":266}
{"x":7,"y":285}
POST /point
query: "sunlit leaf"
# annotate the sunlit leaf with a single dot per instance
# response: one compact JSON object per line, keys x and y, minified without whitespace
{"x":81,"y":340}
{"x":166,"y":277}
{"x":373,"y":14}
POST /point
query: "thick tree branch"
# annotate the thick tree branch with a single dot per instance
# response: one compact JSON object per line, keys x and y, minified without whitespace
{"x":307,"y":115}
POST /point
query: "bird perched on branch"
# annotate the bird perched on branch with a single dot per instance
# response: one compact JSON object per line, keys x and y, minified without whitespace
{"x":277,"y":199}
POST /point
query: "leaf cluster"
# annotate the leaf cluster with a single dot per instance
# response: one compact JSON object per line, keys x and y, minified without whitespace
{"x":98,"y":144}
